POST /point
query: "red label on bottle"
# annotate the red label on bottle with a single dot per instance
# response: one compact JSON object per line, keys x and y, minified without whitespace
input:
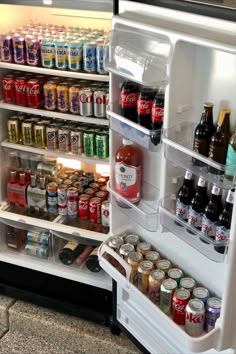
{"x":128,"y":99}
{"x":157,"y":114}
{"x":128,"y":181}
{"x":144,"y":106}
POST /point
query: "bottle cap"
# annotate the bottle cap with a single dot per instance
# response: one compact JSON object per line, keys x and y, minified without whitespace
{"x":215,"y":190}
{"x":201,"y":182}
{"x":127,"y":142}
{"x":230,"y":197}
{"x":208,"y":104}
{"x":188,"y":175}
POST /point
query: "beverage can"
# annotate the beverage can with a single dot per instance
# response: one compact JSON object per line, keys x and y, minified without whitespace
{"x":176,"y":274}
{"x":102,"y":145}
{"x":84,"y":181}
{"x":13,"y":130}
{"x":95,"y":210}
{"x":125,"y":250}
{"x":20,"y":91}
{"x":89,"y":144}
{"x":101,"y":53}
{"x":99,"y":103}
{"x":6,"y":48}
{"x":52,"y":198}
{"x":63,"y":97}
{"x":27,"y":133}
{"x":64,"y":139}
{"x":152,"y":256}
{"x":105,"y":211}
{"x":168,"y":288}
{"x":188,"y":284}
{"x":134,"y":258}
{"x":48,"y":53}
{"x":144,"y":247}
{"x":33,"y":93}
{"x":40,"y":136}
{"x":19,"y":49}
{"x":33,"y":56}
{"x":76,"y":139}
{"x":90,"y":192}
{"x":132,"y":239}
{"x":50,"y":95}
{"x":102,"y":195}
{"x":213,"y":308}
{"x":75,"y":55}
{"x":201,"y":294}
{"x":86,"y":102}
{"x":74,"y":102}
{"x":84,"y":206}
{"x":89,"y":57}
{"x":155,"y":280}
{"x":52,"y":137}
{"x":180,"y":300}
{"x":194,"y":318}
{"x":95,"y":186}
{"x":8,"y":85}
{"x":72,"y":202}
{"x":90,"y":176}
{"x":61,"y":54}
{"x":144,"y":270}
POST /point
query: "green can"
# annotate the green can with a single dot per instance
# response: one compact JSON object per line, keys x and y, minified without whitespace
{"x":102,"y":145}
{"x":89,"y":143}
{"x":175,"y":274}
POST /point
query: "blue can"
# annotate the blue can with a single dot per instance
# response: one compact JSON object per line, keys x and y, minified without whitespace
{"x":75,"y":55}
{"x":61,"y":54}
{"x":52,"y":198}
{"x":19,"y":49}
{"x":101,"y":53}
{"x":32,"y":51}
{"x":37,"y":250}
{"x":89,"y":57}
{"x":48,"y":53}
{"x":38,"y":237}
{"x":6,"y":48}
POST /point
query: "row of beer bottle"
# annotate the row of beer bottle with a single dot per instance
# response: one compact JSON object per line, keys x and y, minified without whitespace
{"x":203,"y":213}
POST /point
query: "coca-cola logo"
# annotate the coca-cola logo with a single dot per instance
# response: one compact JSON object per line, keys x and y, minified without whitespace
{"x":194,"y":318}
{"x":20,"y":88}
{"x":7,"y":85}
{"x":92,"y":210}
{"x":33,"y":90}
{"x":157,"y":114}
{"x":86,"y":98}
{"x":99,"y":100}
{"x":129,"y":99}
{"x":83,"y":205}
{"x":179,"y":308}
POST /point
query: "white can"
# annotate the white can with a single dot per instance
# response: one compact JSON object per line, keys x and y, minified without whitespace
{"x":106,"y":213}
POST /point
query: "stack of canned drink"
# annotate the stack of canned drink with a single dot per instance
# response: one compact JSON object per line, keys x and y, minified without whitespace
{"x":166,"y":286}
{"x":55,"y":46}
{"x":63,"y":136}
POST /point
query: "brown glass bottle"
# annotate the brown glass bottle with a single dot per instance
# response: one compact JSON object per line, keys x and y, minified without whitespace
{"x":184,"y":197}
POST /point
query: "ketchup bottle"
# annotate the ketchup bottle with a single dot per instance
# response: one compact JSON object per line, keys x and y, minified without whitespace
{"x":128,"y":173}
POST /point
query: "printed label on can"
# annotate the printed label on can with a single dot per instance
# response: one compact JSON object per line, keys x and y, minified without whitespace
{"x":154,"y":294}
{"x":128,"y":181}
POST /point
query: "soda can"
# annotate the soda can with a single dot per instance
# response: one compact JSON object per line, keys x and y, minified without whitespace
{"x":84,"y":181}
{"x":194,"y":318}
{"x":75,"y":55}
{"x":86,"y":102}
{"x":90,"y":176}
{"x":168,"y":288}
{"x":64,"y":139}
{"x":95,"y":186}
{"x":8,"y":85}
{"x":156,"y":277}
{"x":102,"y":195}
{"x":47,"y":169}
{"x":201,"y":294}
{"x":19,"y":49}
{"x":38,"y":237}
{"x":104,"y":189}
{"x":89,"y":57}
{"x":33,"y":93}
{"x":33,"y":56}
{"x":102,"y":181}
{"x":50,"y":95}
{"x":102,"y":145}
{"x":89,"y":144}
{"x":68,"y":182}
{"x":76,"y":139}
{"x":213,"y":308}
{"x":176,"y":274}
{"x":152,"y":256}
{"x":84,"y":207}
{"x":61,"y":54}
{"x":13,"y":130}
{"x":63,"y":97}
{"x":27,"y":133}
{"x":79,"y":186}
{"x":144,"y":270}
{"x":40,"y":136}
{"x":144,"y":247}
{"x":107,"y":103}
{"x":90,"y":192}
{"x":180,"y":300}
{"x":48,"y":53}
{"x":134,"y":259}
{"x":102,"y":52}
{"x":6,"y":48}
{"x":105,"y":211}
{"x":99,"y":103}
{"x":95,"y":210}
{"x":74,"y":99}
{"x":132,"y":239}
{"x":52,"y":137}
{"x":125,"y":250}
{"x":20,"y":91}
{"x":52,"y":197}
{"x":37,"y":250}
{"x":188,"y":284}
{"x":72,"y":202}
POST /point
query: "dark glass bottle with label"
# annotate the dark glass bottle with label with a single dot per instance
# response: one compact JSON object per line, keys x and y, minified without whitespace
{"x":224,"y":222}
{"x":203,"y":133}
{"x":144,"y":107}
{"x":70,"y":252}
{"x":184,"y":197}
{"x":157,"y":116}
{"x":211,"y":213}
{"x":198,"y":204}
{"x":92,"y":262}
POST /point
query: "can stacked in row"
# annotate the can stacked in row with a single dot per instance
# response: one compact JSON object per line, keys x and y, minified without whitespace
{"x":54,"y":134}
{"x":166,"y":286}
{"x":81,"y":97}
{"x":50,"y":46}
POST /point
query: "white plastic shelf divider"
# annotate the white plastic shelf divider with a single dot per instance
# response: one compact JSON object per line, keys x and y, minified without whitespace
{"x":54,"y":114}
{"x":54,"y":72}
{"x":53,"y":153}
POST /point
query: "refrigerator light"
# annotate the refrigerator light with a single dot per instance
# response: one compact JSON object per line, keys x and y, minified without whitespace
{"x":69,"y":163}
{"x":102,"y":168}
{"x":47,"y":2}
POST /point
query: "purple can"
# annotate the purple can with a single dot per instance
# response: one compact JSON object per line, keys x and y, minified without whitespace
{"x":19,"y":49}
{"x":86,"y":102}
{"x":213,"y":309}
{"x":6,"y":48}
{"x":32,"y":51}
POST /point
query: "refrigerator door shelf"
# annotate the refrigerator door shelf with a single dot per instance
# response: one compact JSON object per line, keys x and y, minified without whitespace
{"x":146,"y":212}
{"x":131,"y":301}
{"x":149,"y":139}
{"x":138,"y":55}
{"x":178,"y":145}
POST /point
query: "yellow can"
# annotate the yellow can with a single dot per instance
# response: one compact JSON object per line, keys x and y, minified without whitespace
{"x":50,"y":95}
{"x":63,"y":97}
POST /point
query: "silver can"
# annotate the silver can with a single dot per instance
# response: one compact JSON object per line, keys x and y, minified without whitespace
{"x":62,"y":199}
{"x":133,"y":239}
{"x":86,"y":102}
{"x":194,"y":317}
{"x":64,"y":139}
{"x":188,"y":284}
{"x":201,"y":294}
{"x":99,"y":103}
{"x":76,"y":140}
{"x":115,"y":243}
{"x":106,"y":213}
{"x":125,"y":250}
{"x":107,"y":103}
{"x":52,"y":137}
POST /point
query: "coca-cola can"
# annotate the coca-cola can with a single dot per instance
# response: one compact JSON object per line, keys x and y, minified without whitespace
{"x":8,"y":85}
{"x":33,"y":93}
{"x":95,"y":210}
{"x":105,"y":213}
{"x":90,"y":192}
{"x":102,"y":195}
{"x":195,"y":317}
{"x":180,"y":300}
{"x":99,"y":103}
{"x":84,"y":206}
{"x":62,"y":199}
{"x":86,"y":102}
{"x":79,"y":186}
{"x":95,"y":186}
{"x":72,"y":202}
{"x":20,"y":90}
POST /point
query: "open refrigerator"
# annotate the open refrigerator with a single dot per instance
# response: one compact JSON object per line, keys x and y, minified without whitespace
{"x":193,"y":57}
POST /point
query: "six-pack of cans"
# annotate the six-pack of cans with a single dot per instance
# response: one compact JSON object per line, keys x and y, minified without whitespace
{"x":55,"y":46}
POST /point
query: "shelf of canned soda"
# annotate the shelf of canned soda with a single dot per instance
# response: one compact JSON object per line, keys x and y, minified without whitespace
{"x":174,"y":299}
{"x":55,"y":46}
{"x":53,"y":93}
{"x":53,"y":137}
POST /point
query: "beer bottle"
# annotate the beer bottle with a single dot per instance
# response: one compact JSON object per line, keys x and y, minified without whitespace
{"x":211,"y":213}
{"x":231,"y":158}
{"x":203,"y":132}
{"x":219,"y":142}
{"x":184,"y":197}
{"x":70,"y":252}
{"x":224,"y":222}
{"x":198,"y":204}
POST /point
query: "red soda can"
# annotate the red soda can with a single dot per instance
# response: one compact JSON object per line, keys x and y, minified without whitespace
{"x":84,"y":206}
{"x":90,"y":192}
{"x":20,"y":89}
{"x":79,"y":186}
{"x":104,"y":189}
{"x":102,"y":181}
{"x":33,"y":93}
{"x":102,"y":195}
{"x":180,"y":300}
{"x":95,"y":186}
{"x":95,"y":210}
{"x":72,"y":202}
{"x":8,"y":85}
